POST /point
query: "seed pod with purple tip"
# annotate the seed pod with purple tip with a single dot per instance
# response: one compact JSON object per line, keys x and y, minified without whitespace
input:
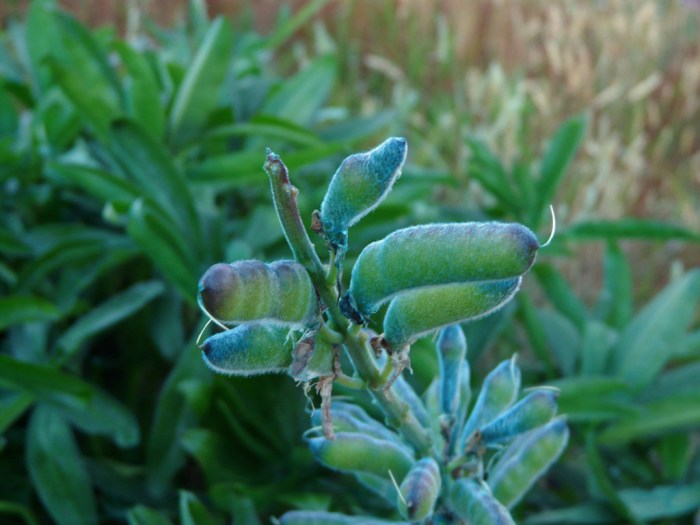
{"x":246,"y":291}
{"x":351,"y":452}
{"x":473,"y":502}
{"x":535,"y":409}
{"x":249,"y":349}
{"x":361,"y":182}
{"x":499,"y":391}
{"x":526,"y":460}
{"x":418,"y":312}
{"x":438,"y":254}
{"x":420,"y":490}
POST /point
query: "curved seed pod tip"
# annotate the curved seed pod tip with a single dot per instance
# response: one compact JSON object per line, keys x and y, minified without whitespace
{"x":419,"y":490}
{"x":416,"y":313}
{"x":437,"y":254}
{"x":358,"y":186}
{"x":249,"y":349}
{"x":251,"y":290}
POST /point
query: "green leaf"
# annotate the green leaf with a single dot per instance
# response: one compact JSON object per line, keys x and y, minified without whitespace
{"x":12,"y":407}
{"x":644,"y":229}
{"x":268,"y":127}
{"x":143,"y":94}
{"x":152,"y":167}
{"x":57,"y":470}
{"x":352,"y":129}
{"x":17,"y":309}
{"x":584,"y":514}
{"x":563,"y":339}
{"x":141,"y":515}
{"x":648,"y":342}
{"x":107,"y":314}
{"x":556,"y":159}
{"x":299,"y":98}
{"x":100,"y":184}
{"x":561,"y":294}
{"x":41,"y":380}
{"x":676,"y":454}
{"x":594,"y":398}
{"x":663,"y":501}
{"x":596,"y":345}
{"x":291,"y":26}
{"x":193,"y":512}
{"x":199,"y":92}
{"x":8,"y":507}
{"x":536,"y":333}
{"x":166,"y":249}
{"x":616,"y":300}
{"x":671,"y":414}
{"x":488,"y":169}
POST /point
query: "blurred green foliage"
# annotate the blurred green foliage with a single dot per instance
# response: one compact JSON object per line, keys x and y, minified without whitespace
{"x":129,"y":166}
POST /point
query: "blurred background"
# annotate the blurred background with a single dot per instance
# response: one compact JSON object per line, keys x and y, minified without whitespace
{"x":132,"y":135}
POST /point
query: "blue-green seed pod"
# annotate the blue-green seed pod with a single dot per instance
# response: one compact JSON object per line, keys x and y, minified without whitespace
{"x":352,"y":418}
{"x":245,"y":291}
{"x":535,"y":409}
{"x":526,"y":460}
{"x":499,"y":391}
{"x":437,"y":254}
{"x":249,"y":349}
{"x":406,"y":392}
{"x":351,"y":452}
{"x":473,"y":502}
{"x":420,"y":490}
{"x":416,"y":313}
{"x":382,"y":487}
{"x":452,"y":353}
{"x":360,"y":184}
{"x":465,"y":394}
{"x":316,"y":517}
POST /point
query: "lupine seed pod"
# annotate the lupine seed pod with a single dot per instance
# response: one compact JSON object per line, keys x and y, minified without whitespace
{"x":436,"y":254}
{"x":473,"y":502}
{"x":358,"y":186}
{"x":465,"y":394}
{"x":452,"y":353}
{"x":382,"y":487}
{"x":351,"y":452}
{"x":416,"y":313}
{"x":420,"y":490}
{"x":526,"y":460}
{"x":317,"y":517}
{"x":249,"y":349}
{"x":251,"y":290}
{"x":352,"y":418}
{"x":406,"y":392}
{"x":535,"y":409}
{"x":499,"y":391}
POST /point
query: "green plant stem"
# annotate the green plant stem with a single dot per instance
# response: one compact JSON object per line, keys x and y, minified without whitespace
{"x":397,"y":411}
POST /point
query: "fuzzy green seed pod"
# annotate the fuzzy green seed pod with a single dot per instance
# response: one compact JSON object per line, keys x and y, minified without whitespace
{"x":317,"y":517}
{"x":245,"y":291}
{"x":452,"y":352}
{"x":420,"y":490}
{"x":473,"y":502}
{"x":526,"y":460}
{"x":382,"y":487}
{"x":249,"y":349}
{"x":437,"y":254}
{"x":407,"y":393}
{"x":360,"y":184}
{"x":499,"y":391}
{"x":352,"y":418}
{"x":351,"y":452}
{"x":535,"y":409}
{"x":416,"y":313}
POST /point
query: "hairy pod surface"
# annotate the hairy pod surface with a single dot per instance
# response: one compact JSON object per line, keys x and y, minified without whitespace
{"x":313,"y":357}
{"x":352,"y":452}
{"x":315,"y":517}
{"x":499,"y":391}
{"x":251,"y":290}
{"x":358,"y":186}
{"x":526,"y":460}
{"x":420,"y":490}
{"x":474,"y":503}
{"x":249,"y":349}
{"x":438,"y":254}
{"x":535,"y":409}
{"x":452,"y":352}
{"x":416,"y":313}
